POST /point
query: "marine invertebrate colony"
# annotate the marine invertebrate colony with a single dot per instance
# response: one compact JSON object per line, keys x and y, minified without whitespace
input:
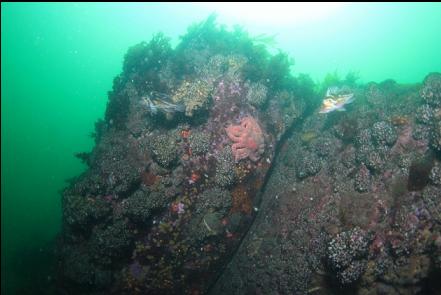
{"x":248,"y":139}
{"x":193,"y":95}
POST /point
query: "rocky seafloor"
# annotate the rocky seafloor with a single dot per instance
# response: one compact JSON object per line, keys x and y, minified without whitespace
{"x":244,"y":188}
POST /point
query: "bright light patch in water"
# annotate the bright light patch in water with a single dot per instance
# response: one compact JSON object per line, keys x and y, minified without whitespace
{"x":278,"y":13}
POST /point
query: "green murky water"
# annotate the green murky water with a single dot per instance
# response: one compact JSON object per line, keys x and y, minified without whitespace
{"x":59,"y":60}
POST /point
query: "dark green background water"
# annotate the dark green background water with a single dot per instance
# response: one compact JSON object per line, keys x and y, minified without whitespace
{"x":58,"y":62}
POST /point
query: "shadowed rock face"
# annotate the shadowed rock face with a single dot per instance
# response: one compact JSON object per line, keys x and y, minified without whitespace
{"x":167,"y":198}
{"x":368,"y":220}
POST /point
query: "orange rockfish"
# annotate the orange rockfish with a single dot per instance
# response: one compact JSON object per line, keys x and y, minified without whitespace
{"x":335,"y":100}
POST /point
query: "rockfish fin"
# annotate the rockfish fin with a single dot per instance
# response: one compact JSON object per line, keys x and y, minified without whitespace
{"x":351,"y":99}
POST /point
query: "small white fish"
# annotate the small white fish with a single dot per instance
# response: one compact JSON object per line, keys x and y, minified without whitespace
{"x":335,"y":101}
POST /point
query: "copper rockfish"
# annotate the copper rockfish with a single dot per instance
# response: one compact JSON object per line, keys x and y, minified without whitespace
{"x":335,"y":100}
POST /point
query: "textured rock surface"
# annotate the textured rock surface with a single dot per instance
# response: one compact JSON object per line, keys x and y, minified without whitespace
{"x":367,"y":222}
{"x":172,"y":202}
{"x":169,"y":193}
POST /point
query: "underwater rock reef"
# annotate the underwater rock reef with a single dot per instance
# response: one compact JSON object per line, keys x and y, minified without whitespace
{"x":353,"y":203}
{"x":214,"y":173}
{"x":174,"y":180}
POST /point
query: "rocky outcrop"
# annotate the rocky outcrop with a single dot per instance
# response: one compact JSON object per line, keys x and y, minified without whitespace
{"x":169,"y":194}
